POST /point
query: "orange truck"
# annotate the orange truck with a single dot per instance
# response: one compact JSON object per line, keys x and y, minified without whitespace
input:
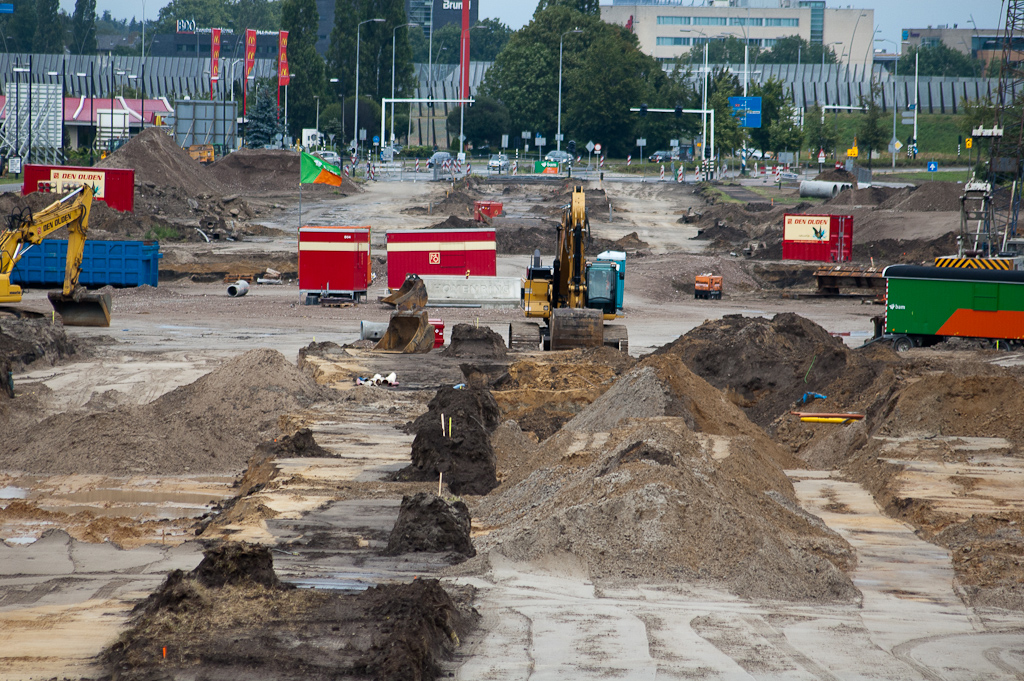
{"x":707,"y":286}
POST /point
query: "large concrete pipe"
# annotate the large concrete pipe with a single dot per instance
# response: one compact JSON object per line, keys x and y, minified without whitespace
{"x":822,"y":190}
{"x":238,"y":289}
{"x":372,"y":330}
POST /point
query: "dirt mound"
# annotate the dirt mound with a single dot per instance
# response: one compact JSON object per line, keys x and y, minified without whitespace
{"x":629,"y":243}
{"x":457,"y":203}
{"x":460,"y":446}
{"x":157,"y":159}
{"x":620,"y":503}
{"x":837,"y":175}
{"x":429,"y":523}
{"x":763,"y":366}
{"x":393,"y":633}
{"x":236,"y":563}
{"x":24,"y":340}
{"x":455,"y":222}
{"x":542,"y":395}
{"x":301,"y":444}
{"x":892,"y":251}
{"x":521,"y":237}
{"x":210,"y":425}
{"x":475,"y":341}
{"x":268,"y":170}
{"x":869,"y":196}
{"x":929,"y":196}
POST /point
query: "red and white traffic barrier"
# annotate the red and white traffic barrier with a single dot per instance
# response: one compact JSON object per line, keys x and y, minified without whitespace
{"x":515,"y":167}
{"x":600,"y":163}
{"x":679,"y":174}
{"x":417,"y":165}
{"x":629,"y":161}
{"x":662,"y":172}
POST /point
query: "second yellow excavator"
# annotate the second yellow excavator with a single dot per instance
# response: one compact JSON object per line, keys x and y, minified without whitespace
{"x":76,"y":306}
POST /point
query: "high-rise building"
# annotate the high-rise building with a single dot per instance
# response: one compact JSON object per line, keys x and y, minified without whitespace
{"x":668,"y":29}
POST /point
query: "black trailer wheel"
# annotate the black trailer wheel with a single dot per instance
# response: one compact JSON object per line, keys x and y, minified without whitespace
{"x":902,"y":344}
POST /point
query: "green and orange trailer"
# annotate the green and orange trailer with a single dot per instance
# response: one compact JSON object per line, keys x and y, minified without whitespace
{"x":926,"y":305}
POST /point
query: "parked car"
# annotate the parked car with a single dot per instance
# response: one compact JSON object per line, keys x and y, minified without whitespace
{"x":331,"y":157}
{"x":558,"y":156}
{"x":660,"y":157}
{"x":438,"y":158}
{"x":498,"y":162}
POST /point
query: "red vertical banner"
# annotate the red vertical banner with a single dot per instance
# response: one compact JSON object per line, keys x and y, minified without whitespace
{"x":214,"y":59}
{"x":250,"y":62}
{"x":283,"y":76}
{"x":464,"y":52}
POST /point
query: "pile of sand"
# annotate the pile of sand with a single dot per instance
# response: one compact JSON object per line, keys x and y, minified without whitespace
{"x":651,"y":500}
{"x":835,"y":175}
{"x":542,"y":394}
{"x":105,"y":223}
{"x":299,"y":445}
{"x":268,"y":170}
{"x":210,"y":425}
{"x":428,"y":523}
{"x":764,"y":366}
{"x":522,"y":237}
{"x":929,"y":196}
{"x":24,"y":340}
{"x":455,"y":222}
{"x":157,"y":159}
{"x":869,"y":196}
{"x":453,"y":438}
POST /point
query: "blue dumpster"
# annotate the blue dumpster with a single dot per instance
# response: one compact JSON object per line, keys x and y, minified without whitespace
{"x":113,"y":263}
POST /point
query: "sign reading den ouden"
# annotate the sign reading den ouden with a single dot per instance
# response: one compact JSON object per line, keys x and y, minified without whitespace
{"x":115,"y":186}
{"x":825,"y":238}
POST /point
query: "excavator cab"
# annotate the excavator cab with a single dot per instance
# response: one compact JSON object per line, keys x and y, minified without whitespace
{"x":602,"y":287}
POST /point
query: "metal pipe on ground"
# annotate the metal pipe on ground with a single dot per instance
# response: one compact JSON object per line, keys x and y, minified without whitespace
{"x":238,"y":289}
{"x":372,"y":330}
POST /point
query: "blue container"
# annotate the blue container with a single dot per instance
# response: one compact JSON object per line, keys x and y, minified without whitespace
{"x":114,"y":263}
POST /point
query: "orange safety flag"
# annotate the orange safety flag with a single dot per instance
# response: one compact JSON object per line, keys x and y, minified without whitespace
{"x":283,"y":75}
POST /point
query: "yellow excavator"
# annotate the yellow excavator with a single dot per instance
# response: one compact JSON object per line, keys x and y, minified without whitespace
{"x":574,"y":297}
{"x":76,"y":306}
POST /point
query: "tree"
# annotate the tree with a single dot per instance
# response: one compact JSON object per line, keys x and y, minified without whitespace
{"x":447,"y":40}
{"x":300,"y":18}
{"x":83,"y":27}
{"x":793,"y":48}
{"x":375,"y":43}
{"x":23,"y":26}
{"x":589,"y":7}
{"x":728,"y":51}
{"x":783,"y":133}
{"x":872,"y":134}
{"x":212,"y":13}
{"x":941,"y":60}
{"x":819,"y":134}
{"x":486,"y":121}
{"x":261,"y":15}
{"x":265,"y":121}
{"x":488,"y":39}
{"x":773,"y":103}
{"x":49,"y":36}
{"x":728,"y":133}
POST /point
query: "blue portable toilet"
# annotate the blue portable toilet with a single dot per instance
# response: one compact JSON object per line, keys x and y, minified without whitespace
{"x":618,"y":258}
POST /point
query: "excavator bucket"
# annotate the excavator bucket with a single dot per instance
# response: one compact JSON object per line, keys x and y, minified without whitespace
{"x":81,"y":308}
{"x":412,"y":296}
{"x":408,"y":333}
{"x":576,"y":328}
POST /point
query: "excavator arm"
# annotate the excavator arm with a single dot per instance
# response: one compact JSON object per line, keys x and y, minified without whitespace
{"x":76,"y":306}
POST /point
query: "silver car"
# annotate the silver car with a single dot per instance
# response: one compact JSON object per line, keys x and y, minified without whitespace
{"x":558,"y":156}
{"x":331,"y":157}
{"x":498,"y":162}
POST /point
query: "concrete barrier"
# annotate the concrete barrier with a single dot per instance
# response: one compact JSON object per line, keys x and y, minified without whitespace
{"x":485,"y":291}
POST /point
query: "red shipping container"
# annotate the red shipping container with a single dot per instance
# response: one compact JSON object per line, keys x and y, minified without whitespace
{"x":825,"y":238}
{"x":491,"y":209}
{"x":334,"y":260}
{"x":114,"y":186}
{"x":458,"y":252}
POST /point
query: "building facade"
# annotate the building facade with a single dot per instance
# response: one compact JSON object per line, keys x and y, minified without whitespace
{"x":985,"y":44}
{"x":668,"y":29}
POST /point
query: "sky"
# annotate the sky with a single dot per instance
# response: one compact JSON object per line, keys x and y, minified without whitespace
{"x":891,"y":16}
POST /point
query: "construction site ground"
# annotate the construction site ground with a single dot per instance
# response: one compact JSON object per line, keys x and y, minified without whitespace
{"x":884,"y":549}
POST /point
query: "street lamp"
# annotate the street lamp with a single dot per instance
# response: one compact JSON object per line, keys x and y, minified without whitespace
{"x":317,"y":98}
{"x":561,"y":40}
{"x":394,"y":35}
{"x":358,"y":28}
{"x":894,"y":78}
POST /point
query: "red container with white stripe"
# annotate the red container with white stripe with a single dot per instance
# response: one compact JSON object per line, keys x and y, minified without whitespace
{"x":334,"y":260}
{"x":453,"y":252}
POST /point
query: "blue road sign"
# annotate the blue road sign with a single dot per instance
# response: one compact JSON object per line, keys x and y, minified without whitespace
{"x":6,"y":8}
{"x":376,"y":139}
{"x":933,"y":166}
{"x":748,"y":109}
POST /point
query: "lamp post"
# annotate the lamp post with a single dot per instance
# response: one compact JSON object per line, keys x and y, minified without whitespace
{"x":894,"y":78}
{"x":317,"y":126}
{"x":561,"y":40}
{"x":17,"y":111}
{"x":358,"y":28}
{"x":394,"y":35}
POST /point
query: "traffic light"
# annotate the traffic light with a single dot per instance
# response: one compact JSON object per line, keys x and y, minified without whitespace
{"x":643,"y":109}
{"x":679,"y":111}
{"x":572,"y":147}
